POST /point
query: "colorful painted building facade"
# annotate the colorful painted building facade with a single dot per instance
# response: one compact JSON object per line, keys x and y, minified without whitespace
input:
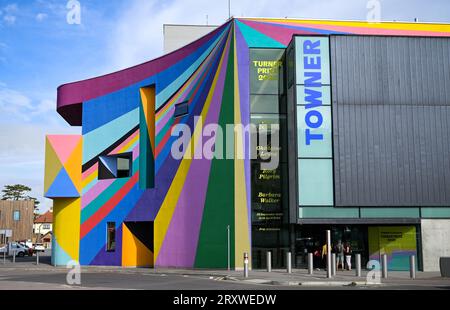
{"x":121,"y":198}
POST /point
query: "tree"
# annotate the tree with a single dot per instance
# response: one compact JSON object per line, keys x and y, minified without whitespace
{"x":18,"y":192}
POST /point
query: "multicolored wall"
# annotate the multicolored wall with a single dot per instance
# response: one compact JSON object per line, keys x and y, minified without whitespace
{"x":185,"y":204}
{"x":398,"y":242}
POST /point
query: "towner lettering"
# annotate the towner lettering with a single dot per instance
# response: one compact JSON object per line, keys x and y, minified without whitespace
{"x":312,"y":64}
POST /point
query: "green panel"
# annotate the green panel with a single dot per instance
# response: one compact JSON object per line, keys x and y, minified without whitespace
{"x":323,"y":95}
{"x":436,"y":212}
{"x":266,"y":68}
{"x":146,"y":160}
{"x":314,"y":147}
{"x":322,"y":58}
{"x":389,"y":212}
{"x":327,"y":212}
{"x":315,"y":182}
{"x":255,"y":38}
{"x":219,"y":204}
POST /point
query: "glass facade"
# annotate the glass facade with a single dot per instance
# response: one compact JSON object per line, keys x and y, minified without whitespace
{"x":269,"y":187}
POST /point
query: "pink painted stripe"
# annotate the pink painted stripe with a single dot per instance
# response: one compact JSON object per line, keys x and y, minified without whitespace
{"x":127,"y":140}
{"x":101,"y":185}
{"x":284,"y":36}
{"x":96,"y":190}
{"x":88,"y":172}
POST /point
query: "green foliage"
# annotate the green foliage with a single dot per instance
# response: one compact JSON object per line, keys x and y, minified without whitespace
{"x":18,"y":192}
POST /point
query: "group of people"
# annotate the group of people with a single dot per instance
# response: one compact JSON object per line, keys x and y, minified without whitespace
{"x":342,"y":250}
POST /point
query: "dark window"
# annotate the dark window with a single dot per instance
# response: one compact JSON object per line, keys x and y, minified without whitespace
{"x":111,"y":236}
{"x":181,"y":109}
{"x":114,"y":166}
{"x":16,"y":215}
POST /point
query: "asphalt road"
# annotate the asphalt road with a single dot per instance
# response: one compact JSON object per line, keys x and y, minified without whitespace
{"x":26,"y":275}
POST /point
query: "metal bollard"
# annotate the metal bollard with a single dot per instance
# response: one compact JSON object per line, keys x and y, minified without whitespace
{"x":269,"y":261}
{"x":245,"y":265}
{"x":14,"y":257}
{"x":358,"y":265}
{"x":4,"y":257}
{"x":289,"y":262}
{"x":333,"y":264}
{"x":310,"y":263}
{"x":37,"y":257}
{"x":384,"y":266}
{"x":412,"y":266}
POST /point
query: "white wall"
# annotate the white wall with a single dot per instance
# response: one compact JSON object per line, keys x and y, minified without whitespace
{"x":177,"y":36}
{"x":435,"y":242}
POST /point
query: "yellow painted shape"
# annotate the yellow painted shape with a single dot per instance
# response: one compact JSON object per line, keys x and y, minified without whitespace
{"x":73,"y":166}
{"x":165,"y":213}
{"x":52,"y":165}
{"x":129,"y":146}
{"x":148,"y":104}
{"x":134,"y":252}
{"x":90,"y":178}
{"x":66,"y":225}
{"x":431,"y":27}
{"x":242,"y":238}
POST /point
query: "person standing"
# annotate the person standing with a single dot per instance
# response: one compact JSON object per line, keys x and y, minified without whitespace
{"x":348,"y":255}
{"x":339,"y":249}
{"x":324,"y":254}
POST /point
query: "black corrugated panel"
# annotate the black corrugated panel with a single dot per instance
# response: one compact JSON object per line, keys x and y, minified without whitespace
{"x":391,"y":120}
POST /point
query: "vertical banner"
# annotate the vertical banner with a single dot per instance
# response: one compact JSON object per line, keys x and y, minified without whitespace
{"x":314,"y":125}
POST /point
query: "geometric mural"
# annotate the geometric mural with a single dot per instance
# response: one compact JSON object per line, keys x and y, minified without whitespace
{"x":186,"y":204}
{"x":62,"y":162}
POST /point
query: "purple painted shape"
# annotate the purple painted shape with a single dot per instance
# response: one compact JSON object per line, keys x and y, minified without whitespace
{"x":180,"y":243}
{"x":95,"y":191}
{"x":148,"y":205}
{"x":243,"y":58}
{"x":104,"y":258}
{"x":72,"y":95}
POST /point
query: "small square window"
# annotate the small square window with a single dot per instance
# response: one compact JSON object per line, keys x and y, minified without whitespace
{"x":181,"y":109}
{"x":115,"y":166}
{"x":16,"y":215}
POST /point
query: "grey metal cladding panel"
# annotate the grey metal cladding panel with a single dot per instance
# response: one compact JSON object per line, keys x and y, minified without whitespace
{"x":391,"y":120}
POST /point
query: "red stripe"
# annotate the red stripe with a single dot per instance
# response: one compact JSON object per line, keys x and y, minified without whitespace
{"x":101,"y":213}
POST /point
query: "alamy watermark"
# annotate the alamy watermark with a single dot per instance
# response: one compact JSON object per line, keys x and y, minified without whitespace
{"x":73,"y":16}
{"x":374,"y":13}
{"x":374,"y":275}
{"x":261,"y":141}
{"x":74,"y":274}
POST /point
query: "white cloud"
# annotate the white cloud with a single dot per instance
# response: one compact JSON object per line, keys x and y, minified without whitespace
{"x":41,"y":16}
{"x":9,"y":19}
{"x":9,"y":11}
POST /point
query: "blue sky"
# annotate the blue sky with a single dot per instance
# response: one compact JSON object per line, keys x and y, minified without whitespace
{"x":39,"y":51}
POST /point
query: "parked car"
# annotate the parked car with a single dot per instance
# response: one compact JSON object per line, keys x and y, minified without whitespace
{"x":21,"y":250}
{"x":4,"y":249}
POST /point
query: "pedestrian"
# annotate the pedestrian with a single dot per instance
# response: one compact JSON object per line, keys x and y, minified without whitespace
{"x":348,"y":255}
{"x":339,"y":249}
{"x":324,"y":255}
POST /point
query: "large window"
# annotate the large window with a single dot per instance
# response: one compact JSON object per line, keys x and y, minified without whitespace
{"x":114,"y":166}
{"x":111,"y":236}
